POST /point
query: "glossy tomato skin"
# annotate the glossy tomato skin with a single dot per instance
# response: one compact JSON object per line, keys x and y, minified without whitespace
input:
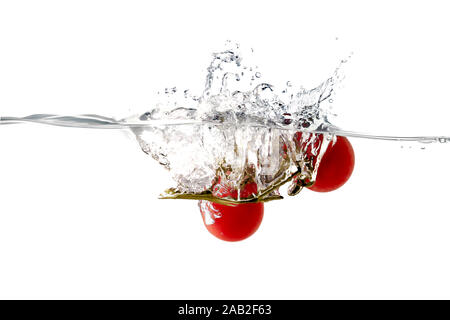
{"x":336,"y":166}
{"x":232,"y":223}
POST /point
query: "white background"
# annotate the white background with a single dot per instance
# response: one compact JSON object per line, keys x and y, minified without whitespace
{"x":79,"y":214}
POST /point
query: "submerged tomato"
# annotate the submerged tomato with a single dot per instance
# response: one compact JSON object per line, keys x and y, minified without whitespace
{"x":336,"y":166}
{"x":232,"y":223}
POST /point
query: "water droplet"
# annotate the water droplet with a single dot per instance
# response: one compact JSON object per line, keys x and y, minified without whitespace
{"x":289,"y":84}
{"x":170,"y":90}
{"x":258,"y":74}
{"x":287,"y":118}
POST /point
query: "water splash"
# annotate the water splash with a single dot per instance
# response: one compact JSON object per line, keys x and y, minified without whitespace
{"x":241,"y":129}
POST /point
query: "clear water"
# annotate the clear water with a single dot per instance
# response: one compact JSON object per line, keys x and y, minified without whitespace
{"x":240,"y":129}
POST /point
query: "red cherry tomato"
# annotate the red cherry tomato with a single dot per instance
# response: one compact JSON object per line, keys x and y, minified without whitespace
{"x":336,"y":166}
{"x":232,"y":223}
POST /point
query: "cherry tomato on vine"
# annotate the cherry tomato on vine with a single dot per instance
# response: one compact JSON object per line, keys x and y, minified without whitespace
{"x":335,"y":167}
{"x":234,"y":222}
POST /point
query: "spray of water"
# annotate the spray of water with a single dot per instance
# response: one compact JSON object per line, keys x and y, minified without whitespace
{"x":239,"y":130}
